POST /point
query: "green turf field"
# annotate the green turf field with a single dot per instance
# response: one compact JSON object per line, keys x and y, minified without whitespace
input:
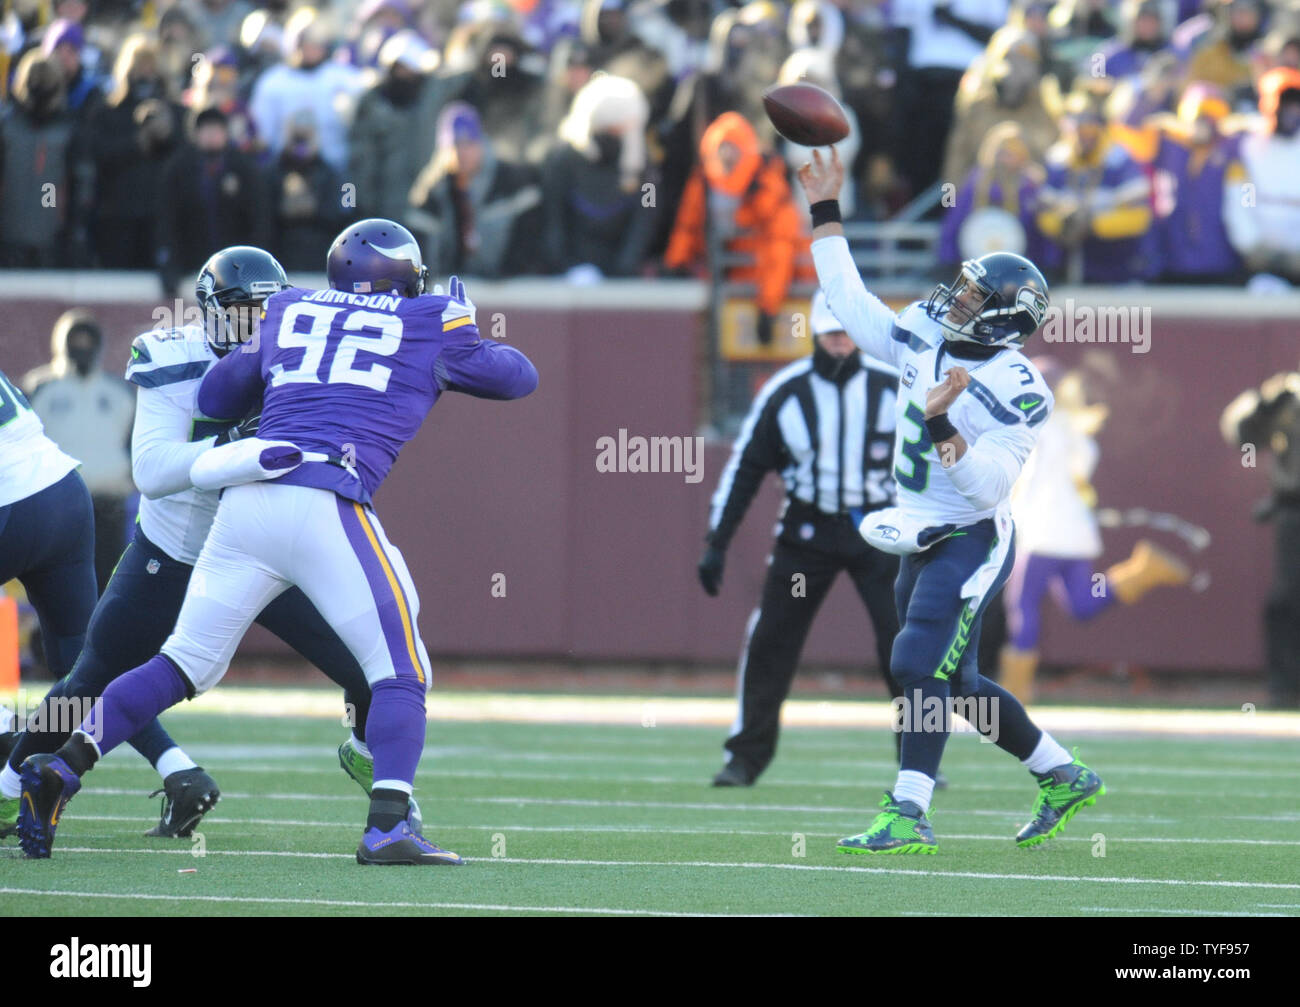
{"x":606,"y":819}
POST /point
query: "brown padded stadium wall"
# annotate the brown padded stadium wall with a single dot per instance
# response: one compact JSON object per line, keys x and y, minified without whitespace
{"x":601,"y":566}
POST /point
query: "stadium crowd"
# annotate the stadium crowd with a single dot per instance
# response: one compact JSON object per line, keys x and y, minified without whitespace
{"x":1144,"y":140}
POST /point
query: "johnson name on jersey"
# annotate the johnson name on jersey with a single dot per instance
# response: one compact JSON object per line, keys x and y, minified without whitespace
{"x":167,"y":366}
{"x":352,"y":376}
{"x":999,"y":415}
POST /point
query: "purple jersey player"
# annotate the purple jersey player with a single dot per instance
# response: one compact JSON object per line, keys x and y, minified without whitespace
{"x":346,"y":375}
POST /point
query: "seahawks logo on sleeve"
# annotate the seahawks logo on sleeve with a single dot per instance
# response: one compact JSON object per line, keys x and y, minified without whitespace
{"x":162,"y":357}
{"x":1032,"y":405}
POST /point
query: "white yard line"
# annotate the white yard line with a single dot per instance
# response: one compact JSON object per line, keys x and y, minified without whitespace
{"x":215,"y":818}
{"x":355,"y":904}
{"x":247,"y":757}
{"x":435,"y":772}
{"x":734,"y":865}
{"x":1171,"y":912}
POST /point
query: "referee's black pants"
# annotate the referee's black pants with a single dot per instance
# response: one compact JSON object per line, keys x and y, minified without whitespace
{"x":811,"y":550}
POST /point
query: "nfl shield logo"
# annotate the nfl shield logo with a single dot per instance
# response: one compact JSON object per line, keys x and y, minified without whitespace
{"x":153,"y":566}
{"x":909,"y":375}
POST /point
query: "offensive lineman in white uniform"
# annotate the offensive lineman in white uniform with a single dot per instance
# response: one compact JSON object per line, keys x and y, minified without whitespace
{"x":141,"y":602}
{"x":47,"y":540}
{"x":970,"y":406}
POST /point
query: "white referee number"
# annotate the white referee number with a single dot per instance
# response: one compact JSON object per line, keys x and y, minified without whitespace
{"x":367,"y":331}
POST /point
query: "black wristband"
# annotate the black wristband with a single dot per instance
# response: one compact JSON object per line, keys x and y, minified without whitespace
{"x":940,"y":428}
{"x":826,"y":212}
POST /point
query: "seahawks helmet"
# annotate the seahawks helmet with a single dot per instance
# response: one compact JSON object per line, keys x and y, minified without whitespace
{"x":999,"y":299}
{"x":231,"y":286}
{"x":376,"y":256}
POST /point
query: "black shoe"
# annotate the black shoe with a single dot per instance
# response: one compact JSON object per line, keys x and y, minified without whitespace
{"x":732,"y":775}
{"x":188,"y":795}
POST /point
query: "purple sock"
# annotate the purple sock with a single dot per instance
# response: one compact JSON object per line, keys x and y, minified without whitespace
{"x":395,"y":728}
{"x":132,"y":701}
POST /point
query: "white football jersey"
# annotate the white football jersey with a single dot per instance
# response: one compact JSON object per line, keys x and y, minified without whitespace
{"x":167,"y":366}
{"x":999,"y":415}
{"x":29,"y":460}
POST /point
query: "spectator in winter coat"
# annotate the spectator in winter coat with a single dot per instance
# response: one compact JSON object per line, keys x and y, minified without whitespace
{"x":599,"y":213}
{"x":1225,"y":57}
{"x":1095,"y":207}
{"x":213,"y":196}
{"x":387,"y":142}
{"x":1195,"y":169}
{"x":36,"y":136}
{"x":478,"y":215}
{"x":1265,"y":228}
{"x":1006,"y":178}
{"x":307,"y":199}
{"x":1007,"y":84}
{"x":306,"y":82}
{"x":130,"y":138}
{"x":740,"y":194}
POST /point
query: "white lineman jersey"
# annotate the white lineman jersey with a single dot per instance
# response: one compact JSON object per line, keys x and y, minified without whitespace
{"x":268,"y":537}
{"x":999,"y":415}
{"x":167,"y":365}
{"x":29,"y":460}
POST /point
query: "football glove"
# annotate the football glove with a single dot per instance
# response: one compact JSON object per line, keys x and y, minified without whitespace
{"x":245,"y":428}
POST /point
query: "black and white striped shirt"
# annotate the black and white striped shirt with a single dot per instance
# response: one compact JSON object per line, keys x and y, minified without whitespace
{"x":828,"y":431}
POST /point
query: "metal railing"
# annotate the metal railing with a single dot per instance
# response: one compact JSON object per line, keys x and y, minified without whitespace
{"x":896,"y":257}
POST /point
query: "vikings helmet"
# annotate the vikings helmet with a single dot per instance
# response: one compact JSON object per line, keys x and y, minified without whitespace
{"x":1011,"y":301}
{"x":376,"y":256}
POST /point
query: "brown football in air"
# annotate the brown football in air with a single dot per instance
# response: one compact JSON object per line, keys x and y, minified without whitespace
{"x":805,"y":114}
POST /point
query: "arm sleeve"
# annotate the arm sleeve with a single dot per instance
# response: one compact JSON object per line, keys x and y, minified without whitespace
{"x":484,"y":369}
{"x":866,"y":318}
{"x":161,"y":451}
{"x":991,"y":466}
{"x":758,"y":450}
{"x":232,"y":386}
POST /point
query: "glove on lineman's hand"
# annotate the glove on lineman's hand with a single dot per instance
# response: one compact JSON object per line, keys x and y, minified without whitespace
{"x":245,"y":428}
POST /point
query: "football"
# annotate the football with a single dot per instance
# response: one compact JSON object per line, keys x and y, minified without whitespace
{"x":805,"y":114}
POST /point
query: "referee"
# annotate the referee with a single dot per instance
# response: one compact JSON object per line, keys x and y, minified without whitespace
{"x":826,"y":423}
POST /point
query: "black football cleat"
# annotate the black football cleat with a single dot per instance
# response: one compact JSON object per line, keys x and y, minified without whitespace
{"x":733,"y":775}
{"x":188,"y":795}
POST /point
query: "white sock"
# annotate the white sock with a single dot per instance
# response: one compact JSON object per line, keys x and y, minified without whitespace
{"x":173,"y":761}
{"x":915,"y":787}
{"x":401,"y":785}
{"x":1046,"y":756}
{"x":360,"y":746}
{"x":11,"y":784}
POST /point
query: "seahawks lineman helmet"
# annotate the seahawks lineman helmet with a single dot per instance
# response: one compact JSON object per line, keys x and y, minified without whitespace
{"x":999,"y":299}
{"x":231,"y":288}
{"x":376,"y":256}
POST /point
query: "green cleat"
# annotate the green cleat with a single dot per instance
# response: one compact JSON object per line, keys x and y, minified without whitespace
{"x":1061,"y":793}
{"x":901,"y":827}
{"x":357,"y":765}
{"x":362,"y":770}
{"x":9,"y":815}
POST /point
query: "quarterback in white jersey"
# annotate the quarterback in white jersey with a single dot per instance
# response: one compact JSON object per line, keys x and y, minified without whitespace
{"x":970,"y":407}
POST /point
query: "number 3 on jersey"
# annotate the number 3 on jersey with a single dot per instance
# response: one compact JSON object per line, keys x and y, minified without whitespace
{"x":382,"y":339}
{"x":914,"y":451}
